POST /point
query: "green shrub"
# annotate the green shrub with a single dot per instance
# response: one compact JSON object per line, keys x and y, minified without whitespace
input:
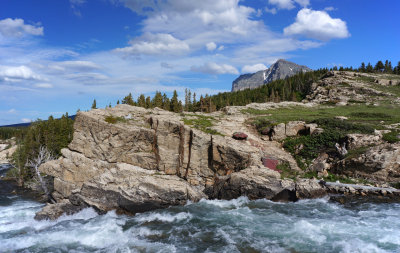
{"x":201,"y":122}
{"x":263,"y":123}
{"x":312,"y":146}
{"x":345,"y":127}
{"x":391,"y":137}
{"x":310,"y":174}
{"x":113,"y":120}
{"x":286,"y":171}
{"x":334,"y":178}
{"x":372,"y":115}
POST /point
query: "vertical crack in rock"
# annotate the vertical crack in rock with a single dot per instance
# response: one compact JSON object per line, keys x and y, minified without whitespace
{"x":189,"y":153}
{"x":210,"y":155}
{"x":155,"y":142}
{"x":181,"y":150}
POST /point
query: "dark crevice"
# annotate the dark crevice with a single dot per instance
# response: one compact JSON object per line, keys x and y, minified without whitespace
{"x":181,"y":151}
{"x":211,"y":155}
{"x":189,"y":153}
{"x":155,"y":142}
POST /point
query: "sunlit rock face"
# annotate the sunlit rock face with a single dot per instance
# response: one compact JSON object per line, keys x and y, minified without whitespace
{"x":149,"y":159}
{"x":279,"y":70}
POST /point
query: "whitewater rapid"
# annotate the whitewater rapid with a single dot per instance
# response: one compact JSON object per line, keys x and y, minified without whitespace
{"x":238,"y":225}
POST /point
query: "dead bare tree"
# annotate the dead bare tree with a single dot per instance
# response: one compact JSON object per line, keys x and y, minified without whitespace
{"x":43,"y":156}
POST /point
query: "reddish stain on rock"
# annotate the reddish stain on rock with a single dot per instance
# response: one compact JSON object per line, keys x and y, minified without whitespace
{"x":239,"y":136}
{"x":270,"y":163}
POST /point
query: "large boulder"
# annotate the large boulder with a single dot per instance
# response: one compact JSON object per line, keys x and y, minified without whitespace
{"x":150,"y":160}
{"x":378,"y":164}
{"x":309,"y":188}
{"x":255,"y":183}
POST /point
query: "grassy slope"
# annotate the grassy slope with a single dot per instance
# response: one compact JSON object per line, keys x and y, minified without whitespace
{"x":376,"y":116}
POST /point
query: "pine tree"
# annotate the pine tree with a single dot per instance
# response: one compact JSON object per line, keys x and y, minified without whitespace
{"x":148,"y":102}
{"x":272,"y":96}
{"x":362,"y":67}
{"x":180,"y":106}
{"x":186,"y":100}
{"x":293,"y":97}
{"x":141,"y":101}
{"x":202,"y":104}
{"x":157,"y":100}
{"x":190,"y":106}
{"x":369,"y":68}
{"x":379,"y":67}
{"x":388,"y":67}
{"x":165,"y":102}
{"x":174,"y":106}
{"x":128,"y":100}
{"x":94,"y":104}
{"x":118,"y":102}
{"x":398,"y":68}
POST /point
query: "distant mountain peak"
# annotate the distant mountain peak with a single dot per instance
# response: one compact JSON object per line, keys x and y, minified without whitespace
{"x":279,"y":70}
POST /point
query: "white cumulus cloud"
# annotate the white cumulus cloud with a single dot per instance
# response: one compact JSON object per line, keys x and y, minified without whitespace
{"x":317,"y":25}
{"x":17,"y":28}
{"x":211,"y":46}
{"x":15,"y":74}
{"x":253,"y":68}
{"x":288,"y":4}
{"x":155,"y":44}
{"x":213,"y":68}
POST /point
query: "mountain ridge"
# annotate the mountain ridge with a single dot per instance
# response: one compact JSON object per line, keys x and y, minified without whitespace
{"x":279,"y":70}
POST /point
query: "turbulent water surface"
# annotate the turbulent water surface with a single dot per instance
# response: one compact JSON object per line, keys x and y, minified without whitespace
{"x":208,"y":226}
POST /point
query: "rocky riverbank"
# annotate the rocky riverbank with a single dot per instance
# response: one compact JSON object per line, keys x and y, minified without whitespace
{"x":133,"y":160}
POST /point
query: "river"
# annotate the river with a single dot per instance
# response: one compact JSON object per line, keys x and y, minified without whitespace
{"x":238,"y":225}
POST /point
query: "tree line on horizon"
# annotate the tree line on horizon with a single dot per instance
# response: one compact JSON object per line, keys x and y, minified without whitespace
{"x":293,"y":88}
{"x":379,"y":67}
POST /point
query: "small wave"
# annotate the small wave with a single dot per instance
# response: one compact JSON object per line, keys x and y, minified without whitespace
{"x":163,"y":217}
{"x":233,"y":203}
{"x":84,"y":214}
{"x":358,"y":246}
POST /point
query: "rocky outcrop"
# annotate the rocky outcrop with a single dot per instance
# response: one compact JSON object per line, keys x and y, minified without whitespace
{"x":291,"y":129}
{"x":150,"y":159}
{"x":380,"y":163}
{"x":342,"y":88}
{"x":362,"y":190}
{"x":279,"y":70}
{"x":7,"y":149}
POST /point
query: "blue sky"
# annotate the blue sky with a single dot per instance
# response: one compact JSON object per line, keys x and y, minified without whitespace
{"x":56,"y":56}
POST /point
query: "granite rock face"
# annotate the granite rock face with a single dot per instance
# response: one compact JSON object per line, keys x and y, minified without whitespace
{"x":378,"y":164}
{"x":279,"y":70}
{"x":150,"y":159}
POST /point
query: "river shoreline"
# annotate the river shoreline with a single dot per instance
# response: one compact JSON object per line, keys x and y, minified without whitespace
{"x":237,"y":225}
{"x":9,"y":187}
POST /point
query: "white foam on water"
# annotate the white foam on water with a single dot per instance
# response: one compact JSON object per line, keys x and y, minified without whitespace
{"x":208,"y":226}
{"x":309,"y":231}
{"x":225,"y":236}
{"x":163,"y":217}
{"x":358,"y":246}
{"x":234,"y":203}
